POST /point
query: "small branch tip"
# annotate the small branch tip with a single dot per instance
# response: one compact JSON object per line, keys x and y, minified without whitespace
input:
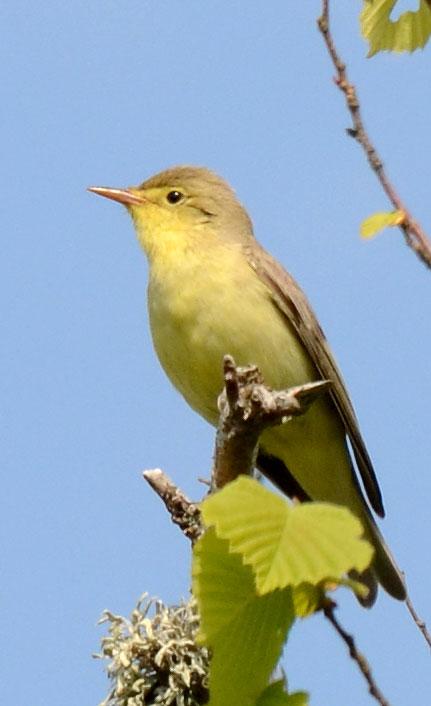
{"x":414,"y":234}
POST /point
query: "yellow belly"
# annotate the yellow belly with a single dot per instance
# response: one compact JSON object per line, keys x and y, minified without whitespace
{"x":222,"y":308}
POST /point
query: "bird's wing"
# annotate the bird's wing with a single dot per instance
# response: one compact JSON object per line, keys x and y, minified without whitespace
{"x":292,"y":303}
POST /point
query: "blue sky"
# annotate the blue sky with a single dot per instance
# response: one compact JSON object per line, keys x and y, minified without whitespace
{"x":109,"y":93}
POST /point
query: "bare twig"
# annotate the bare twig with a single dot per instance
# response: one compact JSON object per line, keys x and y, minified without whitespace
{"x":183,"y":512}
{"x":419,"y":622}
{"x":364,"y":667}
{"x":414,"y":235}
{"x":247,"y":407}
{"x":413,"y":232}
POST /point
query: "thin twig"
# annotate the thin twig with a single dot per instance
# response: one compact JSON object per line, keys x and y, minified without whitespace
{"x":183,"y":512}
{"x":413,"y":232}
{"x":247,"y":407}
{"x":414,"y":235}
{"x":419,"y":622}
{"x":358,"y":657}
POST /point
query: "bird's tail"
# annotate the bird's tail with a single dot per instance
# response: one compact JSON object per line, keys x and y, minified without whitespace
{"x":384,"y":566}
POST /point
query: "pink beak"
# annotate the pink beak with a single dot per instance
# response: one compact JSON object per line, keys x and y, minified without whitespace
{"x":124,"y":196}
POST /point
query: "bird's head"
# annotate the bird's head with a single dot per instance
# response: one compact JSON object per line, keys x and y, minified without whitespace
{"x":183,"y":206}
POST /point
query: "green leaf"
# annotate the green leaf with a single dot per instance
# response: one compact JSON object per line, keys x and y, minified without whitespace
{"x":286,"y":545}
{"x":245,"y":632}
{"x":306,"y":599}
{"x":275,"y":695}
{"x":409,"y":32}
{"x":378,"y":221}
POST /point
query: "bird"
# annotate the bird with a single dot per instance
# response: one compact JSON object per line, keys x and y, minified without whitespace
{"x":214,"y":290}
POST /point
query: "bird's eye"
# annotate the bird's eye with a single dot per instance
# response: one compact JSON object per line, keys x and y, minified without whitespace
{"x":174,"y":196}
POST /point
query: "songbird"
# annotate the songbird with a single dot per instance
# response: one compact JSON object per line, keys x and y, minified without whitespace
{"x":214,"y":290}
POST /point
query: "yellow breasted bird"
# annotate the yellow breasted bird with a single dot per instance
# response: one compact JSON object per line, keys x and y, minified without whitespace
{"x":214,"y":290}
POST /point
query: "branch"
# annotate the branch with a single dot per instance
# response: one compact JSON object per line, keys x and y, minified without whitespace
{"x":419,"y":622}
{"x":358,"y":657}
{"x":247,"y":407}
{"x":414,"y":235}
{"x":183,"y":512}
{"x":413,"y":232}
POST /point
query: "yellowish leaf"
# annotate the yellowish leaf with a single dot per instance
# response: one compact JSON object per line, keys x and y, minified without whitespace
{"x":409,"y":32}
{"x":285,"y":545}
{"x":245,"y":631}
{"x":378,"y":221}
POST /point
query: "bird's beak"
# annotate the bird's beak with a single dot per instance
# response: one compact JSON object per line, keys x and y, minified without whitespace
{"x":124,"y":196}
